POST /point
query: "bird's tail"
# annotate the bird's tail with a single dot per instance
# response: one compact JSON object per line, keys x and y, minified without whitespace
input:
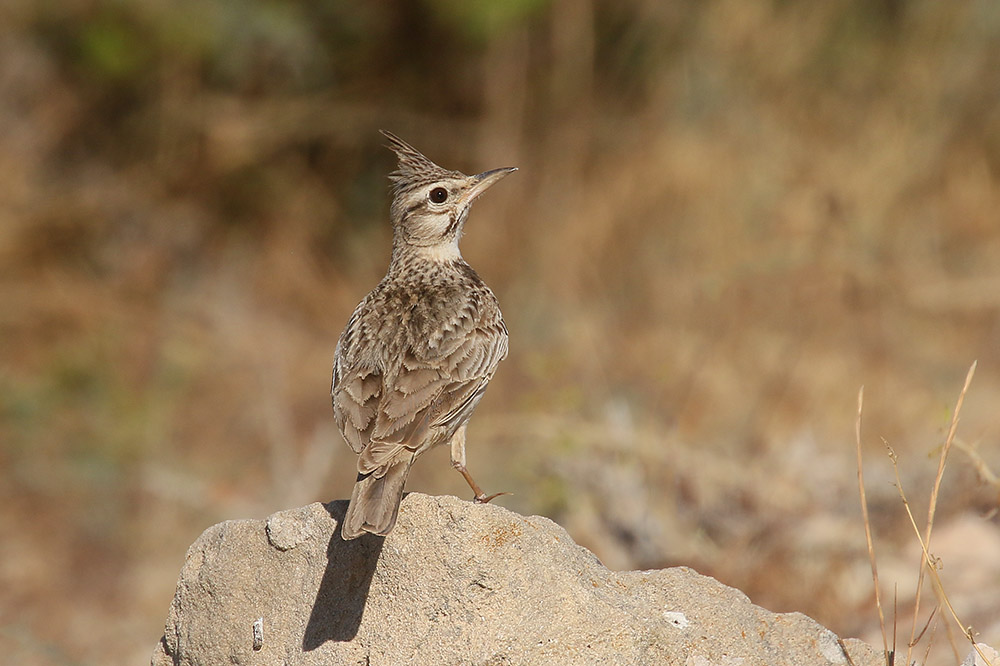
{"x":375,"y":501}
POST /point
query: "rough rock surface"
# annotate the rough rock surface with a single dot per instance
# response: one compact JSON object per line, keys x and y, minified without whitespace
{"x":459,"y":583}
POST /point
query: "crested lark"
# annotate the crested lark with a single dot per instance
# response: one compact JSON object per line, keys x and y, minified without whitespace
{"x":419,"y":350}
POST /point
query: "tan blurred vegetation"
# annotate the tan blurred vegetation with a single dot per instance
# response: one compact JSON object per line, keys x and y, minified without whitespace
{"x":728,"y":216}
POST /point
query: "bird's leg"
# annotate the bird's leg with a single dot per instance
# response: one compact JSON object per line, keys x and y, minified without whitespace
{"x":458,"y":462}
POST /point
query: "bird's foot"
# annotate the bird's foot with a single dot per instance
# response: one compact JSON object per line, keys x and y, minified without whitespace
{"x":485,"y":499}
{"x":480,"y":497}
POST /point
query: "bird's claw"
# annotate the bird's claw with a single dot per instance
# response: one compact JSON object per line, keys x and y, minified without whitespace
{"x":485,"y":499}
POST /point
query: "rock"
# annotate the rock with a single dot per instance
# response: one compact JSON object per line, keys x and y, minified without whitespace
{"x":459,"y":583}
{"x":981,"y":655}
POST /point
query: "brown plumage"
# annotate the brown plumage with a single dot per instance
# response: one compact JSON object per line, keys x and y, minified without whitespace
{"x":419,"y":350}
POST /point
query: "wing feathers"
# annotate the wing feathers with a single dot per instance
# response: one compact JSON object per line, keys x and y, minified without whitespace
{"x":398,"y":389}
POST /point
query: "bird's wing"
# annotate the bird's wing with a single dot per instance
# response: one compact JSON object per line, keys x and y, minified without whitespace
{"x":356,"y":395}
{"x":357,"y":385}
{"x":435,"y":385}
{"x":471,"y":365}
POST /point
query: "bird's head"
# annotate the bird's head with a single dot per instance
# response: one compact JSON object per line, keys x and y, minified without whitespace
{"x":430,"y":204}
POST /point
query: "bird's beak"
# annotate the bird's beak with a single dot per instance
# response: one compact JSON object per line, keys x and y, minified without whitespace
{"x":484,"y":180}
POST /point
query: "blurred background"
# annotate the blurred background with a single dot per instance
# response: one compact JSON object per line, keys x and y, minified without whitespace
{"x":729,"y":216}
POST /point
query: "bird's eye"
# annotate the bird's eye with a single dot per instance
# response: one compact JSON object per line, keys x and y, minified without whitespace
{"x":439,"y":195}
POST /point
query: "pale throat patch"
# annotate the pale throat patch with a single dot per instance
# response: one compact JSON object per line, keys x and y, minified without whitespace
{"x":443,"y":252}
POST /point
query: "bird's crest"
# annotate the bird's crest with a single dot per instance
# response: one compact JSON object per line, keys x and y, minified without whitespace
{"x":414,"y":168}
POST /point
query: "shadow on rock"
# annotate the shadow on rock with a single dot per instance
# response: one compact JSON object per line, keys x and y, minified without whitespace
{"x":340,"y":600}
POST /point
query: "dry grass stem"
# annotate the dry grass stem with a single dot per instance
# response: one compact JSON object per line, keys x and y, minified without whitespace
{"x":952,"y":642}
{"x":843,"y":650}
{"x":932,"y":507}
{"x":895,"y":617}
{"x":927,"y":625}
{"x":930,"y":642}
{"x":868,"y":532}
{"x":932,"y":565}
{"x":986,"y":474}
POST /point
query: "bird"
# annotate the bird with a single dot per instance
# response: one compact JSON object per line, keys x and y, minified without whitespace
{"x":420,"y":349}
